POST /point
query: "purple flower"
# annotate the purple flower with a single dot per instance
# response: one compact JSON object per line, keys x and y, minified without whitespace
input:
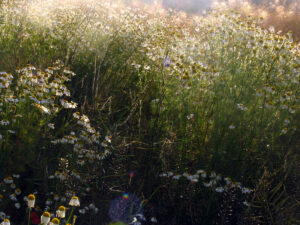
{"x":167,"y":61}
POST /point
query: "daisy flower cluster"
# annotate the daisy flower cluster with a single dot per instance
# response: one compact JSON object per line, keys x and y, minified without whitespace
{"x":53,"y":200}
{"x":33,"y":89}
{"x":48,"y":217}
{"x":214,"y":181}
{"x":43,"y":91}
{"x":87,"y":149}
{"x":10,"y":192}
{"x":60,"y":213}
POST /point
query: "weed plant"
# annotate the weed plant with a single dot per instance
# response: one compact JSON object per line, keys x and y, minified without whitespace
{"x":195,"y":118}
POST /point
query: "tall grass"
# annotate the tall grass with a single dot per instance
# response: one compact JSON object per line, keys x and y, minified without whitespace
{"x":196,"y":112}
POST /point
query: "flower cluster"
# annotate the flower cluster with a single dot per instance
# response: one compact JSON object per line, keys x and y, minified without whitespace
{"x":214,"y":181}
{"x":9,"y":191}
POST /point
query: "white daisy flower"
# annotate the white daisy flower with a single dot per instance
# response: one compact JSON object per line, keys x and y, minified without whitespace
{"x":74,"y":201}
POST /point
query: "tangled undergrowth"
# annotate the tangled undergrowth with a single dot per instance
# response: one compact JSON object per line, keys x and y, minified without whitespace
{"x":170,"y":119}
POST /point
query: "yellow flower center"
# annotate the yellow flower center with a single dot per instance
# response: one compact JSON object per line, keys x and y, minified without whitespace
{"x":55,"y":220}
{"x":61,"y":208}
{"x":31,"y":197}
{"x":46,"y":214}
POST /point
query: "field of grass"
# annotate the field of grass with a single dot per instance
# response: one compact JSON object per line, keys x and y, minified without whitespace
{"x":146,"y":116}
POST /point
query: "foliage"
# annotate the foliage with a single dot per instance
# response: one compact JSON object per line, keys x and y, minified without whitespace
{"x":197,"y":112}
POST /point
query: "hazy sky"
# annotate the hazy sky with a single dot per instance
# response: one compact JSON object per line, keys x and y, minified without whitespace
{"x":199,"y":5}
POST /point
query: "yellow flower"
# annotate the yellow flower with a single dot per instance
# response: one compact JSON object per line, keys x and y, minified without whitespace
{"x":54,"y":221}
{"x":61,"y":212}
{"x":5,"y":222}
{"x":7,"y":180}
{"x":30,"y":200}
{"x":18,"y":191}
{"x":56,"y":197}
{"x":45,"y":218}
{"x":74,"y":201}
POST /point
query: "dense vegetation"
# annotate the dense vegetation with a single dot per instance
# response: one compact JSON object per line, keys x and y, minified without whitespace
{"x":282,"y":14}
{"x":146,"y":115}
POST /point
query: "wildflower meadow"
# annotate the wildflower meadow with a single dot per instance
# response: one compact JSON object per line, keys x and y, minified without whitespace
{"x":121,"y":113}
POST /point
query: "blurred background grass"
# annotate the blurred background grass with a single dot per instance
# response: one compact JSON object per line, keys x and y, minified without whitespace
{"x":284,"y":15}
